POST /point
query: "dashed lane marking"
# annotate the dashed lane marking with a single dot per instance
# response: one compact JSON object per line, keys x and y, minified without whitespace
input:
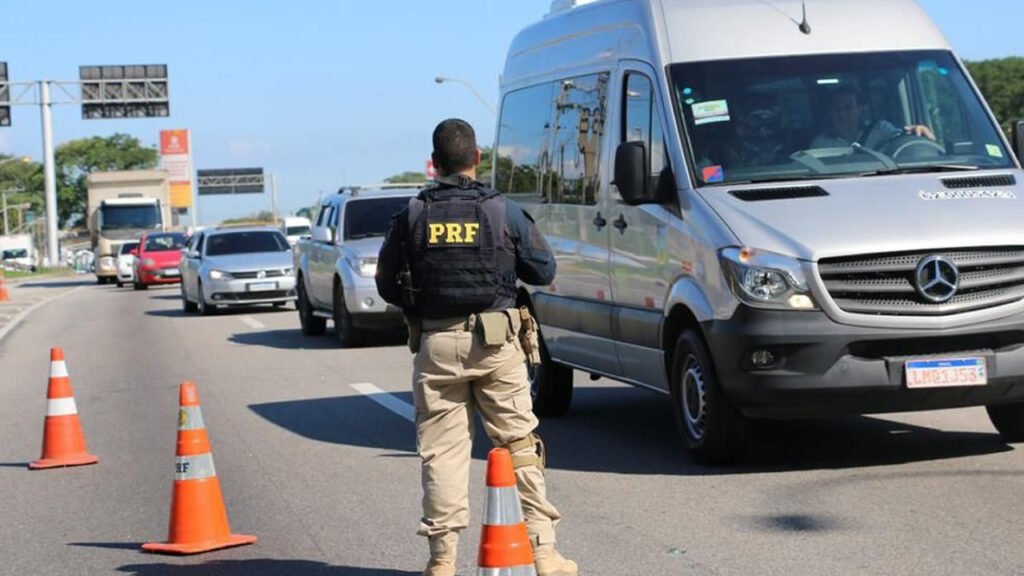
{"x":252,"y":322}
{"x":389,"y":401}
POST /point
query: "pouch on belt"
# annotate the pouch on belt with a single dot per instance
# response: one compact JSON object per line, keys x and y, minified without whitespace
{"x":493,"y":327}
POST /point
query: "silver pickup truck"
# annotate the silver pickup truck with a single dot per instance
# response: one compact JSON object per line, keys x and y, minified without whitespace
{"x":335,"y":268}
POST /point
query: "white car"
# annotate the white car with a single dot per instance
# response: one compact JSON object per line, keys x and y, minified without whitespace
{"x":126,"y":263}
{"x":295,"y":228}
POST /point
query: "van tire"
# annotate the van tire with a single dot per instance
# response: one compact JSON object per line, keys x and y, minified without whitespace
{"x":346,"y":333}
{"x":1008,"y":420}
{"x":550,"y":385}
{"x":311,"y":325}
{"x":712,"y":428}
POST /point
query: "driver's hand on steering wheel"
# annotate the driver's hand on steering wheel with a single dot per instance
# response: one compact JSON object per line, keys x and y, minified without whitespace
{"x":920,"y":131}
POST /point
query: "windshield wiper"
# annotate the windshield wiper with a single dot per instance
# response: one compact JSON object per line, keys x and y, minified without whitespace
{"x":930,"y":169}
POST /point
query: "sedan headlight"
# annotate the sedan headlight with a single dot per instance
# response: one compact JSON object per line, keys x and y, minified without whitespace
{"x":364,"y":266}
{"x":219,"y":275}
{"x":148,"y":262}
{"x":767,"y":280}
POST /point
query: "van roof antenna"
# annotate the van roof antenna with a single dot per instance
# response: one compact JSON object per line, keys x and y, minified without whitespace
{"x":804,"y":25}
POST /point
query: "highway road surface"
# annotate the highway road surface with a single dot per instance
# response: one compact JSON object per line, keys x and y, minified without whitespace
{"x":315,"y":452}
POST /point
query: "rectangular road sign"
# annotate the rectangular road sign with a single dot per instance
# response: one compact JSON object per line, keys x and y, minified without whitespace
{"x":124,"y":91}
{"x":5,"y":96}
{"x":230,"y":181}
{"x":175,"y":158}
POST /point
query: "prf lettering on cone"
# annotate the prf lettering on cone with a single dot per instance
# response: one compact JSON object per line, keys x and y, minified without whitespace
{"x":199,"y":521}
{"x":63,"y":439}
{"x":504,"y":543}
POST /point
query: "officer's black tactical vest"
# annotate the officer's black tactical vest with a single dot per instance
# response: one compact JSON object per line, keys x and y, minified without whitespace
{"x":462,"y":259}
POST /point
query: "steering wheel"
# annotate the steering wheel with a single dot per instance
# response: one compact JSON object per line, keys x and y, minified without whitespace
{"x":912,"y":146}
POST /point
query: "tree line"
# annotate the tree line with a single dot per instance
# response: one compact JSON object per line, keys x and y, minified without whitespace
{"x":1000,"y":80}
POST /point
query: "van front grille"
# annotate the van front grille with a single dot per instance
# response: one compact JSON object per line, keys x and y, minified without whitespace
{"x":886,"y":284}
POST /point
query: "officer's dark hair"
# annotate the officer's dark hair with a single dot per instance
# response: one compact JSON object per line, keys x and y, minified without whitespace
{"x":454,"y":147}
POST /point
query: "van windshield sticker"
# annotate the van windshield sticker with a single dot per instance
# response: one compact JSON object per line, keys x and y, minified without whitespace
{"x":710,"y":112}
{"x":968,"y":195}
{"x":713,"y":174}
{"x":994,"y":151}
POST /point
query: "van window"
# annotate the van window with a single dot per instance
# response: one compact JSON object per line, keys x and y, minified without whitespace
{"x":642,"y":121}
{"x":550,"y":139}
{"x":322,"y":214}
{"x":833,"y":115}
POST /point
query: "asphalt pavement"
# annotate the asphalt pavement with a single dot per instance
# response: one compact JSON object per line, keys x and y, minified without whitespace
{"x":316,"y":456}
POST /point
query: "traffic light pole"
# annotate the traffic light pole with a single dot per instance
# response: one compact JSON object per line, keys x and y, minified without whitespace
{"x":49,"y":174}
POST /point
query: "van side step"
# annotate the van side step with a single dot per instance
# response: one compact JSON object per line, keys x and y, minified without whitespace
{"x":322,"y":314}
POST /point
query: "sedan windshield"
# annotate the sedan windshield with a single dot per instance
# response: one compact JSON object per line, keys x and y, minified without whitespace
{"x":371,"y":216}
{"x":804,"y":117}
{"x":127,"y":247}
{"x":245,"y":243}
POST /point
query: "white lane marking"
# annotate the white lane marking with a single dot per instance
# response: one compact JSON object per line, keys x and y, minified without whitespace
{"x":400,"y":407}
{"x":5,"y":330}
{"x":252,"y":322}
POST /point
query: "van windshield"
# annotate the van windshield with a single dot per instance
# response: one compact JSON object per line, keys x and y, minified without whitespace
{"x":827,"y":116}
{"x":371,"y":216}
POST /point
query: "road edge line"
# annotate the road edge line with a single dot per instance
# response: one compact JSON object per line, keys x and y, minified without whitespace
{"x":24,"y":313}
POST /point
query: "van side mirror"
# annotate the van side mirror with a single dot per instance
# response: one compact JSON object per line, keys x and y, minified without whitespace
{"x":632,"y":174}
{"x":1018,"y":139}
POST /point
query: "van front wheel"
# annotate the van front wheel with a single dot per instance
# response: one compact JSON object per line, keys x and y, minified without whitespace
{"x":550,"y":385}
{"x":1008,"y":420}
{"x":712,"y":428}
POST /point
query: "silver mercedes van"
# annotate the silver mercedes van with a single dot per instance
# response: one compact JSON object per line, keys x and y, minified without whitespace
{"x":766,"y":211}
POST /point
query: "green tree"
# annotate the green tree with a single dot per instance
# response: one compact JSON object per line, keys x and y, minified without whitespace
{"x":257,"y":219}
{"x":78,"y":158}
{"x":1002,"y":83}
{"x":27,"y":179}
{"x":407,"y":178}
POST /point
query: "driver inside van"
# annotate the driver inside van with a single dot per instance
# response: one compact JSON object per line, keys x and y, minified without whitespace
{"x":847,"y":125}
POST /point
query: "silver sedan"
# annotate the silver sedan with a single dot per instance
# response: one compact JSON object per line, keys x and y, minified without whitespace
{"x":236,"y":267}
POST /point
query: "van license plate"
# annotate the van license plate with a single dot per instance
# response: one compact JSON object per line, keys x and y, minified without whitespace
{"x":946,"y":373}
{"x":263,"y":287}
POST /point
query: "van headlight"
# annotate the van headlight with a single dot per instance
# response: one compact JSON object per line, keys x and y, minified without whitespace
{"x":364,"y":266}
{"x":767,"y":280}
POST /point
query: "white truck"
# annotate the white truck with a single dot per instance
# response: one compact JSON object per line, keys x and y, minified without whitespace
{"x":17,"y":251}
{"x":121,"y":207}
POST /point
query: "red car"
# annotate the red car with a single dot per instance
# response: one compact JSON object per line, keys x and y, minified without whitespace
{"x":158,"y":259}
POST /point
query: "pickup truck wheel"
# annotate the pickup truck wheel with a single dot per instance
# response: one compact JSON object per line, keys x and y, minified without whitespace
{"x":347,"y":334}
{"x":711,"y":427}
{"x":1008,"y":420}
{"x":311,"y":325}
{"x":550,"y":385}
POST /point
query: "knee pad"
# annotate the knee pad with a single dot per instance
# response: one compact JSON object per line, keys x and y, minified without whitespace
{"x":538,"y":458}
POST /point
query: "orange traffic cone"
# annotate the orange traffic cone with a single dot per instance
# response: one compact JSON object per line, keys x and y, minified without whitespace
{"x":63,"y":440}
{"x":4,"y":297}
{"x":504,"y":542}
{"x":199,"y":521}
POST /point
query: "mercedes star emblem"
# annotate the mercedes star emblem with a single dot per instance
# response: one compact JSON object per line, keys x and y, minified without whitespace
{"x":937,"y":279}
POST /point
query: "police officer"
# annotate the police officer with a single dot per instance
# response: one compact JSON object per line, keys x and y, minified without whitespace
{"x":451,"y":261}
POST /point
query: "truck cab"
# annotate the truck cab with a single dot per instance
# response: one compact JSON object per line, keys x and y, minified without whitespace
{"x":335,"y":267}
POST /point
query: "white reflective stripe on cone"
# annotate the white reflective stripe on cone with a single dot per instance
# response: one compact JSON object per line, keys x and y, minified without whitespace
{"x":503,"y":508}
{"x":514,"y":571}
{"x":197,"y":467}
{"x":58,"y":369}
{"x":190,"y":418}
{"x":61,"y":407}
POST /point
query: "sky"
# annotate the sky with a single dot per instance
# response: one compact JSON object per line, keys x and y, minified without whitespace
{"x":321,"y":93}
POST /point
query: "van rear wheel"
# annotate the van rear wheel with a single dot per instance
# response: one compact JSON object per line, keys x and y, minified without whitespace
{"x":550,"y":385}
{"x":711,"y":427}
{"x":1008,"y":420}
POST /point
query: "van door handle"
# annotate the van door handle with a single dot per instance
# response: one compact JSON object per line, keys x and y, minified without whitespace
{"x":599,"y":221}
{"x":620,"y":224}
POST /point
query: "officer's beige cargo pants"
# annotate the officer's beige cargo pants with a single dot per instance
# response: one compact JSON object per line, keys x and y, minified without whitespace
{"x":453,"y":374}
